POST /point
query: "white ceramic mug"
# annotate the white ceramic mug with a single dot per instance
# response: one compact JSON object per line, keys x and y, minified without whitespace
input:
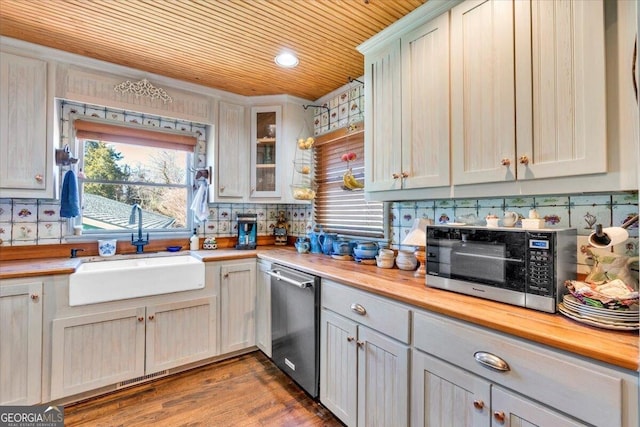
{"x":492,"y":222}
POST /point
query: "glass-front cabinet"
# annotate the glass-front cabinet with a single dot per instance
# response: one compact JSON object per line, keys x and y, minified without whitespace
{"x":265,"y":151}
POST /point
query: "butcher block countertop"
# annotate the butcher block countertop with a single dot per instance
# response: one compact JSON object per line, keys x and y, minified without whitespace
{"x":619,"y":348}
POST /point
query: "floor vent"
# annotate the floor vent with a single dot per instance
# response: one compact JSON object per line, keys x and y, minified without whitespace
{"x":141,"y":379}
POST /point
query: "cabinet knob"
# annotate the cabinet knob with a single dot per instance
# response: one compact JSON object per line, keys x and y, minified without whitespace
{"x":360,"y":344}
{"x":357,"y":308}
{"x":524,"y":160}
{"x":225,"y":276}
{"x":35,"y":297}
{"x":350,"y":339}
{"x":499,"y":416}
{"x":151,"y":317}
{"x":395,"y":176}
{"x":140,"y":319}
{"x":405,"y":174}
{"x":505,"y":162}
{"x":478,"y":404}
{"x":222,"y":187}
{"x":39,"y":178}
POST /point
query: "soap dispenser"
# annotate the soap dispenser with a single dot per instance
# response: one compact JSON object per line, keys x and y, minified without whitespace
{"x":194,"y":241}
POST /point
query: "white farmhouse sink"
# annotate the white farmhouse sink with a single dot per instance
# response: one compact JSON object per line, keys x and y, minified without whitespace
{"x":104,"y":281}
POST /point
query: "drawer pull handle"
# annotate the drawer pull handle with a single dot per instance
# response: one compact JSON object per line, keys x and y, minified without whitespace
{"x":499,"y":416}
{"x":357,"y":308}
{"x":491,"y":361}
{"x":478,"y":404}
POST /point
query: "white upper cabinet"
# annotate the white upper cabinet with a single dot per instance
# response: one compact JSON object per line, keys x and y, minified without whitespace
{"x":560,"y":88}
{"x":425,"y":105}
{"x":232,"y":179}
{"x":482,"y":91}
{"x":382,"y":149}
{"x":407,"y":110}
{"x":26,"y":154}
{"x":528,"y":90}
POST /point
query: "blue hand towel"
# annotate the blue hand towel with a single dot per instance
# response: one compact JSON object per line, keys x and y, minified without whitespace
{"x":69,"y":201}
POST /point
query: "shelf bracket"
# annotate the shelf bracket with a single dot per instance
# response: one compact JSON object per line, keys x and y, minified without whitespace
{"x":322,"y":106}
{"x":351,"y":80}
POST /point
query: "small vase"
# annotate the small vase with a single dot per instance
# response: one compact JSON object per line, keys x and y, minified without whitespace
{"x":406,"y":260}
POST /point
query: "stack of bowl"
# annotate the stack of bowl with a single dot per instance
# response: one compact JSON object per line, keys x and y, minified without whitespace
{"x":365,"y":252}
{"x":385,"y":258}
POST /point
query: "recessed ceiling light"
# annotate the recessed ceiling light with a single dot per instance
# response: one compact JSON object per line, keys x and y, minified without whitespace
{"x":286,"y":60}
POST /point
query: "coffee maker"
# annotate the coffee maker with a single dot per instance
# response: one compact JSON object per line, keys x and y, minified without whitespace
{"x":247,"y":231}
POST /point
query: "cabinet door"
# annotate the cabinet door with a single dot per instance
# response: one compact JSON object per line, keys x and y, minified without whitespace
{"x":443,"y":395}
{"x":338,"y":361}
{"x":232,"y":153}
{"x":265,"y":151}
{"x":237,"y":306}
{"x":425,"y":105}
{"x":560,"y":76}
{"x":25,"y":155}
{"x":96,"y":350}
{"x":509,"y":409}
{"x":20,"y":343}
{"x":382,"y":152}
{"x":263,"y":309}
{"x":383,"y":371}
{"x":482,"y":92}
{"x":179,"y":333}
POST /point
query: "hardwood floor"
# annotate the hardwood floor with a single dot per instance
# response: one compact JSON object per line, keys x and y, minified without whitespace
{"x":248,"y":390}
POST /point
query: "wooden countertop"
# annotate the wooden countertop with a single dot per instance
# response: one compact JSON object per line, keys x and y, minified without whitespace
{"x":617,"y":348}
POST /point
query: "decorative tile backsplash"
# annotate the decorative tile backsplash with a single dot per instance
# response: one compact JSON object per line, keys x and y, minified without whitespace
{"x":339,"y":110}
{"x":582,"y":212}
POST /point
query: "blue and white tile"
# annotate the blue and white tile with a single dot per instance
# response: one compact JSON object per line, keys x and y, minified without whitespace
{"x":585,"y":217}
{"x":5,"y":231}
{"x":97,"y":112}
{"x":152,"y":121}
{"x":518,"y":202}
{"x":621,"y":214}
{"x":6,"y":209}
{"x":24,"y":232}
{"x":590,"y":200}
{"x":167,"y":124}
{"x":116,"y":115}
{"x":49,"y":230}
{"x":628,"y":248}
{"x":554,"y":216}
{"x":25,"y":211}
{"x":69,"y":108}
{"x":495,"y":204}
{"x":444,"y":215}
{"x":211,"y":227}
{"x":48,"y":212}
{"x":134,"y":118}
{"x":625,"y":198}
{"x":551,"y":201}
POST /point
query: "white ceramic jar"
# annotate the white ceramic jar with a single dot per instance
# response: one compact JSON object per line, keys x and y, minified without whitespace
{"x":406,"y":260}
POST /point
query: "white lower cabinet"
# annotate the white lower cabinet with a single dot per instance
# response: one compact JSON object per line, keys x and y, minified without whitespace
{"x":103,"y":348}
{"x":20,"y":341}
{"x":363,"y":373}
{"x":465,"y":375}
{"x":444,"y":395}
{"x":237,"y":305}
{"x":263,"y":308}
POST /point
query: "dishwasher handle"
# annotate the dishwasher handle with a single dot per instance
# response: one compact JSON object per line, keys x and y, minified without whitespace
{"x":276,"y":274}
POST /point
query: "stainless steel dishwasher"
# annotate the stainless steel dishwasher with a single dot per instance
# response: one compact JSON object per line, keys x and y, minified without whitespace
{"x":295,"y":325}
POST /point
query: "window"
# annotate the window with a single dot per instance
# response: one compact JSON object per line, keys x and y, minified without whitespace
{"x":337,"y":209}
{"x":125,"y":165}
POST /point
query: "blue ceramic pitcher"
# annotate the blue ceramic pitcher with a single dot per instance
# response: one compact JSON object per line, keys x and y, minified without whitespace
{"x":314,"y":243}
{"x":326,"y":242}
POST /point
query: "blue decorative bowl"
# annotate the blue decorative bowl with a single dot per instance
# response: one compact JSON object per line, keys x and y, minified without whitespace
{"x":174,"y":248}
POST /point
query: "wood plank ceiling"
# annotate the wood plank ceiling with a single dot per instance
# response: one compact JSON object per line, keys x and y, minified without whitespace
{"x":223,"y":44}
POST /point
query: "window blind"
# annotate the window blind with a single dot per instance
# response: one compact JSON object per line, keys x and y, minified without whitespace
{"x":337,"y":209}
{"x":131,"y":134}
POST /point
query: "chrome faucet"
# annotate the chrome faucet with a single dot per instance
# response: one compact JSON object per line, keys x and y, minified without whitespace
{"x":140,"y":243}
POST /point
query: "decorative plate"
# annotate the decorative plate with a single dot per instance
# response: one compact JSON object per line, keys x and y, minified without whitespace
{"x":619,"y":327}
